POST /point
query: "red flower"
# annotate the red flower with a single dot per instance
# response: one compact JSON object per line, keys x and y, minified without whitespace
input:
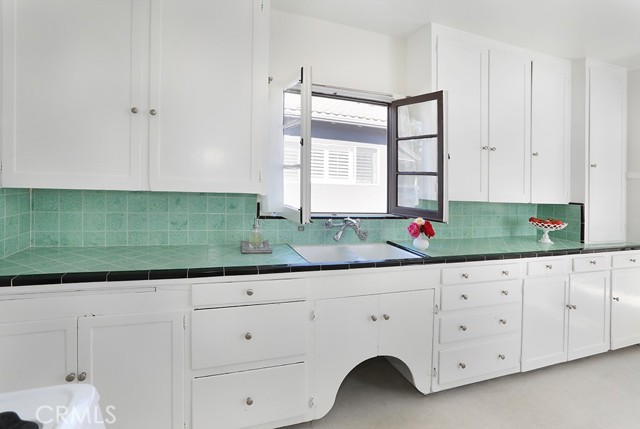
{"x":428,"y":229}
{"x":421,"y":226}
{"x":414,"y":229}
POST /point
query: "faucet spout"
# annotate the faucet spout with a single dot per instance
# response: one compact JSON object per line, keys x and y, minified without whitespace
{"x":348,"y":223}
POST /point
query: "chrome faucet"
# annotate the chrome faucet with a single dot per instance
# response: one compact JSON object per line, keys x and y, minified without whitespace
{"x":347,"y":223}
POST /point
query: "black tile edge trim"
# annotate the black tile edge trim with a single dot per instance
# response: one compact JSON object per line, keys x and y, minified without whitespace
{"x":296,"y":268}
{"x":205,"y":272}
{"x":388,"y":263}
{"x":94,"y":276}
{"x":274,"y":269}
{"x":435,"y":260}
{"x":37,"y":279}
{"x":529,"y":255}
{"x":241,"y":270}
{"x":476,"y":258}
{"x":336,"y":266}
{"x":406,"y":249}
{"x":494,"y":256}
{"x":412,"y":261}
{"x":363,"y":264}
{"x":572,"y":252}
{"x":172,"y":273}
{"x":511,"y":256}
{"x":544,"y":253}
{"x":454,"y":259}
{"x":123,"y":276}
{"x":6,"y":280}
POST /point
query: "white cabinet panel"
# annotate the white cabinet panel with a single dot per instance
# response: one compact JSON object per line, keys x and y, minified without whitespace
{"x":474,"y":295}
{"x":72,"y":71}
{"x":550,"y":132}
{"x":625,"y":308}
{"x":509,"y":127}
{"x":476,"y":325}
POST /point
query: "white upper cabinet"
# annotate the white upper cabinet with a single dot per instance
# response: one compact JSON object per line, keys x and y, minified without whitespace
{"x":209,"y":92}
{"x":550,"y":131}
{"x":72,"y":70}
{"x":509,"y":127}
{"x":149,"y":94}
{"x":599,"y":144}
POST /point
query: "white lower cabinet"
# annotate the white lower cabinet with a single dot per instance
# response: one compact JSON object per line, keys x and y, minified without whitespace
{"x":351,"y":330}
{"x":625,"y":307}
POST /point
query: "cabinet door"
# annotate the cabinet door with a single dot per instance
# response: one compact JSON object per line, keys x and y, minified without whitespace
{"x":36,"y":354}
{"x":625,"y":308}
{"x":606,"y":212}
{"x":509,"y":127}
{"x":137,"y":363}
{"x":462,"y":69}
{"x":72,"y":72}
{"x":544,"y":322}
{"x":346,"y":335}
{"x":589,"y":320}
{"x":209,"y":93}
{"x":550,"y":132}
{"x":406,"y":331}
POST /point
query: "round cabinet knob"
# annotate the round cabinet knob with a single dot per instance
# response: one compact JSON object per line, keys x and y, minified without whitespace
{"x":574,"y":307}
{"x":250,"y":292}
{"x":82,"y":376}
{"x":70,"y":377}
{"x":464,"y":296}
{"x":505,"y":273}
{"x":549,"y":267}
{"x":463,"y":328}
{"x":569,"y":306}
{"x":249,"y":401}
{"x":594,"y":165}
{"x":374,"y":318}
{"x":386,"y":317}
{"x":462,"y":365}
{"x":485,"y":147}
{"x":134,"y":110}
{"x":503,"y":321}
{"x":535,"y":154}
{"x":632,"y":260}
{"x":592,"y":262}
{"x":501,"y":357}
{"x":505,"y":292}
{"x":153,"y":112}
{"x":465,"y":275}
{"x":493,"y":149}
{"x":615,"y":298}
{"x":248,"y":336}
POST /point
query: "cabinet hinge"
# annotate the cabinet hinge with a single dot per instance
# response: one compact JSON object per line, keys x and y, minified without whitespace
{"x":434,"y":372}
{"x":313,"y":315}
{"x":301,"y":142}
{"x":270,"y":79}
{"x":261,"y":5}
{"x":184,"y":322}
{"x":436,"y":309}
{"x":260,"y":176}
{"x":312,"y":402}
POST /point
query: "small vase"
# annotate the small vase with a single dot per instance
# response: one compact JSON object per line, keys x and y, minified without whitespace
{"x":421,"y":242}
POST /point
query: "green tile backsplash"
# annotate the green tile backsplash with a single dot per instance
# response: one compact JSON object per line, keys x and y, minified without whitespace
{"x":73,"y":218}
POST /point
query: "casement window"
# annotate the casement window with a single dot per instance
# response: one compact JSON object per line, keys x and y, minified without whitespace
{"x":349,"y":152}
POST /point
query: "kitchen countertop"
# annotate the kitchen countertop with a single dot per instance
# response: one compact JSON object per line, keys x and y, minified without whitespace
{"x":38,"y":266}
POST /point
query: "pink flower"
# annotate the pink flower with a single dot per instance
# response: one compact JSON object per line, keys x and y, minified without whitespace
{"x":414,"y":229}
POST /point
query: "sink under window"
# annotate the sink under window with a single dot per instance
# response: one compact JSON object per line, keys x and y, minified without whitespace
{"x":352,"y":252}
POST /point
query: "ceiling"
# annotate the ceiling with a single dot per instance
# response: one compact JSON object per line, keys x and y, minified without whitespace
{"x":606,"y":30}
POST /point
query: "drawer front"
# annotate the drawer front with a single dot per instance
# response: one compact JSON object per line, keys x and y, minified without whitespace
{"x":591,"y":263}
{"x":221,"y":294}
{"x":236,"y":335}
{"x":480,"y":273}
{"x":497,"y":322}
{"x":475,"y":361}
{"x":478,"y":295}
{"x":548,"y":267}
{"x":249,"y":398}
{"x":626,"y":260}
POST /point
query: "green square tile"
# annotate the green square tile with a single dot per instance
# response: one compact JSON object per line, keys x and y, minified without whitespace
{"x":158,"y":221}
{"x":197,"y":237}
{"x":215,"y":237}
{"x":216,"y":222}
{"x":94,"y":222}
{"x":70,"y":239}
{"x":158,"y":202}
{"x":70,"y":221}
{"x":197,"y":203}
{"x":116,"y":201}
{"x":198,"y":222}
{"x":216,"y":203}
{"x":178,"y":222}
{"x":234,"y":205}
{"x":46,"y":239}
{"x":138,"y":238}
{"x":235,"y":223}
{"x":93,"y":238}
{"x":25,"y":223}
{"x":234,"y":237}
{"x":12,"y":205}
{"x":138,"y":222}
{"x":178,"y":202}
{"x":138,"y":202}
{"x":250,"y":205}
{"x":93,"y":201}
{"x":158,"y":238}
{"x":116,"y":222}
{"x":46,"y":200}
{"x":70,"y":201}
{"x":178,"y":237}
{"x":42,"y":221}
{"x":116,"y":238}
{"x":11,"y":246}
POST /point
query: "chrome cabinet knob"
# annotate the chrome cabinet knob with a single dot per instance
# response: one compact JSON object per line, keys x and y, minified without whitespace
{"x":374,"y":318}
{"x":571,"y":307}
{"x":250,"y":292}
{"x":82,"y":376}
{"x":464,"y":296}
{"x":485,"y":147}
{"x":593,"y":262}
{"x":462,"y":365}
{"x":535,"y":154}
{"x":493,"y":149}
{"x":594,"y":165}
{"x":505,"y":273}
{"x":249,"y":401}
{"x":153,"y":112}
{"x":465,"y":275}
{"x":501,"y":356}
{"x":505,"y":292}
{"x":549,"y":267}
{"x":615,"y":298}
{"x":632,"y":260}
{"x":134,"y":110}
{"x":503,"y":321}
{"x":70,"y":377}
{"x":386,"y":317}
{"x":248,"y":336}
{"x":463,"y":327}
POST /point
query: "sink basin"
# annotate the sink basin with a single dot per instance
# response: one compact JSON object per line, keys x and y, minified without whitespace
{"x":352,"y":252}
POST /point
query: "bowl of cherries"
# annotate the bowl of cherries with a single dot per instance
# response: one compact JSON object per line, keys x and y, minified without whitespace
{"x":546,"y":225}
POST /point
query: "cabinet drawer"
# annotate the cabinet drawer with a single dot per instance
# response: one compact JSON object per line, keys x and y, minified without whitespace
{"x":475,"y":361}
{"x":626,"y":260}
{"x":548,"y":267}
{"x":462,"y":274}
{"x":220,"y":294}
{"x":249,"y":398}
{"x":497,"y":322}
{"x":236,"y":335}
{"x":591,"y":263}
{"x":478,"y":295}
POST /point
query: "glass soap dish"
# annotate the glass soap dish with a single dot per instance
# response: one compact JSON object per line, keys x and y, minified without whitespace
{"x":265,"y":248}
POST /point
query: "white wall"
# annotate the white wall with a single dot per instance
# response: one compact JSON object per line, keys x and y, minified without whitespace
{"x":633,"y":156}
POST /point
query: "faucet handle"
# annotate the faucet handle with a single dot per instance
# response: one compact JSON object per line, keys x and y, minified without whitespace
{"x":363,"y":234}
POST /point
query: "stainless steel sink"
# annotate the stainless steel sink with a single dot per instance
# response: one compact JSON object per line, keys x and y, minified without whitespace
{"x":352,"y":252}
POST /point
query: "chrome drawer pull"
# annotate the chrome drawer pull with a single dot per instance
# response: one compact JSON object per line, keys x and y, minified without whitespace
{"x":463,"y":328}
{"x":82,"y":376}
{"x":462,"y":366}
{"x":386,"y":317}
{"x":250,"y":292}
{"x":464,"y":296}
{"x":249,"y":401}
{"x":615,"y":298}
{"x":571,"y":307}
{"x":505,"y":273}
{"x":374,"y":318}
{"x":632,"y":260}
{"x":465,"y":275}
{"x":248,"y":336}
{"x":502,"y":357}
{"x":505,"y":292}
{"x":549,"y":267}
{"x":70,"y":377}
{"x":503,"y":321}
{"x":592,"y":262}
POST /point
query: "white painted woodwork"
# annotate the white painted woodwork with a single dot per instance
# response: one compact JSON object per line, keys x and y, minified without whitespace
{"x":550,"y":131}
{"x":476,"y":325}
{"x":247,"y":334}
{"x":462,"y":70}
{"x":209,"y":88}
{"x":463,"y":274}
{"x":545,"y":321}
{"x":72,"y":70}
{"x":509,"y":127}
{"x":546,"y":267}
{"x":625,"y":308}
{"x":136,"y":363}
{"x":248,"y":292}
{"x":591,"y":263}
{"x":37,"y":354}
{"x":626,"y":260}
{"x":246,"y":399}
{"x":474,"y":295}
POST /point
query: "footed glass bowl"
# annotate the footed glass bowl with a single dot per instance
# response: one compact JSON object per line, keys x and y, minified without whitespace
{"x":545,"y":228}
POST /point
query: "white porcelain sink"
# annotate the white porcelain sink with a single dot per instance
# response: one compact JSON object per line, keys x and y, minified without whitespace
{"x":67,"y":406}
{"x":352,"y":252}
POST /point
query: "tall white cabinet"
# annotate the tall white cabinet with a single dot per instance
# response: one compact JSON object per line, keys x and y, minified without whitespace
{"x":135,"y":95}
{"x":599,"y":140}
